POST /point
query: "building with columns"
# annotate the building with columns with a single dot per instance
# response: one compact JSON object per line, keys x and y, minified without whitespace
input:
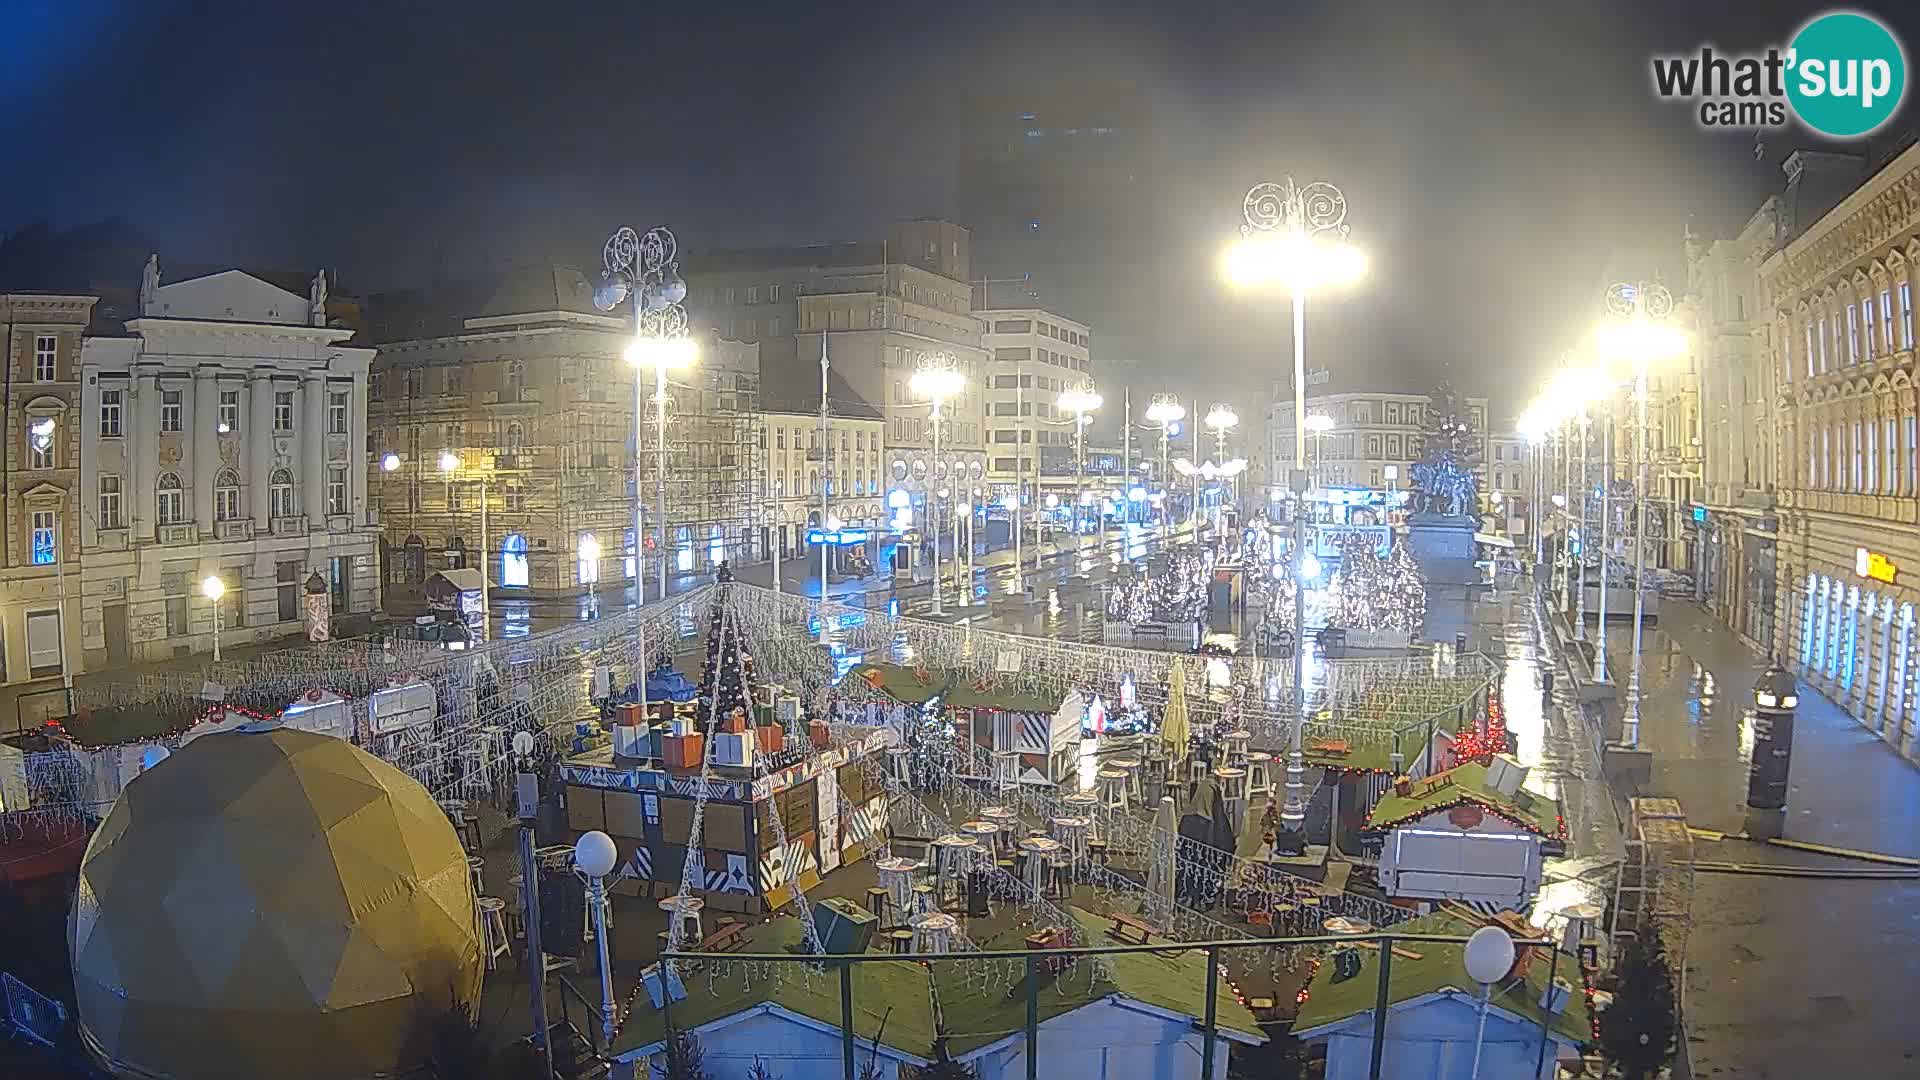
{"x":40,"y":458}
{"x":224,"y":433}
{"x":1840,"y":297}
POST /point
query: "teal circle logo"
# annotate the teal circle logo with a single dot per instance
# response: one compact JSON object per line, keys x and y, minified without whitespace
{"x":1846,"y":74}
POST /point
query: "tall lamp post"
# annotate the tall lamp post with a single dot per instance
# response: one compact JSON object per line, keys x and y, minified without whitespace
{"x":594,"y":856}
{"x":213,"y":589}
{"x":1637,"y":335}
{"x":1318,"y":425}
{"x":1220,"y":419}
{"x":1165,"y":413}
{"x":1295,"y":237}
{"x":1081,"y":401}
{"x":937,"y":379}
{"x":645,"y":268}
{"x":450,"y":464}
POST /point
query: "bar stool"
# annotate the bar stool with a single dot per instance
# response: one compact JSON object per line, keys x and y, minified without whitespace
{"x":985,"y":834}
{"x":1238,"y":743}
{"x":901,"y":941}
{"x":1006,"y":770}
{"x":1113,"y":789}
{"x":1130,"y":766}
{"x":1097,"y":854}
{"x":475,"y":872}
{"x":951,"y":863}
{"x":493,"y":929}
{"x":1259,"y":774}
{"x":465,"y":825}
{"x":923,"y":902}
{"x":1233,"y":788}
{"x":685,"y":911}
{"x":900,"y":764}
{"x":877,"y":903}
{"x":1060,"y":876}
{"x":1153,"y":779}
{"x":1040,"y":851}
{"x":1006,"y":819}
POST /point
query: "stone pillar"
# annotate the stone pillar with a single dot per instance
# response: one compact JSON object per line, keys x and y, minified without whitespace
{"x":258,"y":437}
{"x":203,"y":413}
{"x":313,"y":449}
{"x":146,"y":451}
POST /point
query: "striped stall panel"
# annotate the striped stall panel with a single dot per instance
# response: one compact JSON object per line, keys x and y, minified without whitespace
{"x":1034,"y":733}
{"x":638,"y":864}
{"x":864,"y":823}
{"x":733,"y":879}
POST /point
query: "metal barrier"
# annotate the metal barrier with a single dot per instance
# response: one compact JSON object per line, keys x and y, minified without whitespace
{"x":35,"y":708}
{"x":1383,"y":944}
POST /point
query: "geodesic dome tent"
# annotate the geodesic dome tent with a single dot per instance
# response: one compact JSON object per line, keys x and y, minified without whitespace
{"x":271,"y":902}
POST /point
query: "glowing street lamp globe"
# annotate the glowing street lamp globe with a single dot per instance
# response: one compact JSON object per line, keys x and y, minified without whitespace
{"x":664,"y":354}
{"x":449,"y":461}
{"x":1221,"y":417}
{"x":1165,"y":410}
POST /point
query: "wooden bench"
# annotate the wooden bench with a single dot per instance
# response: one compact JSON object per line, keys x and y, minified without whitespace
{"x":1128,"y":930}
{"x":731,"y":938}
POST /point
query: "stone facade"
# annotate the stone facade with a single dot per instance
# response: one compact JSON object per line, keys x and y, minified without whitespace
{"x":224,"y":435}
{"x":40,"y":458}
{"x":1840,"y":297}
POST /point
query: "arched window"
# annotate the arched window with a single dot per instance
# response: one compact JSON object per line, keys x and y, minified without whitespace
{"x":516,"y":437}
{"x":170,"y":502}
{"x":416,"y":560}
{"x":226,"y":495}
{"x":282,"y":487}
{"x":513,"y":561}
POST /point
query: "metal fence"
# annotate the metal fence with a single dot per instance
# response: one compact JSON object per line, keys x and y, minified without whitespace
{"x":1031,"y":962}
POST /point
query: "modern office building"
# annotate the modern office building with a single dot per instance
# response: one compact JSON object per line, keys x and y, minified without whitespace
{"x":1034,"y":356}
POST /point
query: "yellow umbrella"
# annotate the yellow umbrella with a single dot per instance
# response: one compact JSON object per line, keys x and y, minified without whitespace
{"x":1174,"y":728}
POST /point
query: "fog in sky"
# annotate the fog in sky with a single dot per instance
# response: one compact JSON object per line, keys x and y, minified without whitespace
{"x":1501,"y":161}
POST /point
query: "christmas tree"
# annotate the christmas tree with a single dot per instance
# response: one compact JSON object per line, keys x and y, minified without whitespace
{"x":1372,"y":593}
{"x":1637,"y":1030}
{"x":728,"y":668}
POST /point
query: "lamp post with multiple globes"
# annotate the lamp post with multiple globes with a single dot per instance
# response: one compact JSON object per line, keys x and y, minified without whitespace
{"x":1294,"y":237}
{"x":937,"y":379}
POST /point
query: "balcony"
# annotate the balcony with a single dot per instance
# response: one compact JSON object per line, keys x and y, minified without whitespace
{"x":339,"y":523}
{"x":525,"y":395}
{"x":290,"y":526}
{"x":176,"y":535}
{"x":236,"y":529}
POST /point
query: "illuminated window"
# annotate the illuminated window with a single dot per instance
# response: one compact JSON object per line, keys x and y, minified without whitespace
{"x":46,"y":537}
{"x":229,"y":411}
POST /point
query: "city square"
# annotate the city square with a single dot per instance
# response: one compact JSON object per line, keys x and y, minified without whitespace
{"x":890,"y":588}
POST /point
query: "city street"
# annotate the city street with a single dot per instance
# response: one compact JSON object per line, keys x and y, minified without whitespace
{"x":1781,"y":971}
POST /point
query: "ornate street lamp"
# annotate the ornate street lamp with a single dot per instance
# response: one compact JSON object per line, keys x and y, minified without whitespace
{"x":937,"y":379}
{"x":1295,"y":238}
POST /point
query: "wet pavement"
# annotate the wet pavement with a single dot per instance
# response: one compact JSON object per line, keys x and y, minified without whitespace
{"x":1786,"y":977}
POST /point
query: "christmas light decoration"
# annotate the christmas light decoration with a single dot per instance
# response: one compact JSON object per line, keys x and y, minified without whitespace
{"x":1372,"y":593}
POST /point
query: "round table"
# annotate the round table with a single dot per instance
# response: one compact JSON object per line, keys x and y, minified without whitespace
{"x":1113,"y":787}
{"x":950,"y":858}
{"x":897,"y":875}
{"x":933,"y":932}
{"x":684,"y":909}
{"x":1343,"y":924}
{"x":1039,"y":850}
{"x":985,"y":833}
{"x":1071,"y":831}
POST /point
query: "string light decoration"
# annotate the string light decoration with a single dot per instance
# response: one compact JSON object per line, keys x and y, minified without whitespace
{"x":1177,"y":592}
{"x":1479,"y":745}
{"x":1372,"y":593}
{"x":728,"y":667}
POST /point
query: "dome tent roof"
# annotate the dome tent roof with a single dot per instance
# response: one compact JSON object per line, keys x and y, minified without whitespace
{"x":272,"y":903}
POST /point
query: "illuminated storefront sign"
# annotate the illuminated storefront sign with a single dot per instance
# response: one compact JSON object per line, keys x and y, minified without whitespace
{"x":1874,"y":565}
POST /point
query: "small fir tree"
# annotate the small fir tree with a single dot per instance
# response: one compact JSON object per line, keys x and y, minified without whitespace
{"x":727,"y":670}
{"x":683,"y":1058}
{"x":1637,"y":1031}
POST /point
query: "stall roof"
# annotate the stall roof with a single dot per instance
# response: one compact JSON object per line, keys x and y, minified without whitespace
{"x":965,"y":695}
{"x":1524,"y":808}
{"x":1440,"y":968}
{"x":904,"y":683}
{"x":463,"y":580}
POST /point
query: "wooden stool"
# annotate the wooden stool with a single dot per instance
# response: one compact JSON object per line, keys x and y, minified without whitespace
{"x":1060,"y":876}
{"x":1040,"y":852}
{"x":475,"y":867}
{"x":1259,"y":774}
{"x":877,"y":903}
{"x":1130,"y":766}
{"x":1113,"y":789}
{"x":1238,"y":743}
{"x":493,"y":929}
{"x":1097,"y":853}
{"x":923,"y":902}
{"x":465,"y":825}
{"x":901,"y":941}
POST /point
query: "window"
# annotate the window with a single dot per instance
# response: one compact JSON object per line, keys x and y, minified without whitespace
{"x":1913,"y":456}
{"x":1823,"y":343}
{"x":1855,"y":476}
{"x":45,"y":349}
{"x":286,"y":576}
{"x":176,"y":616}
{"x":516,"y":437}
{"x":170,"y":503}
{"x":336,"y":490}
{"x":226,"y":496}
{"x":283,"y":410}
{"x":110,"y":414}
{"x":1812,"y":351}
{"x":337,"y":413}
{"x":1890,"y":480}
{"x":229,"y":411}
{"x":109,"y":493}
{"x":46,"y":537}
{"x":1853,"y":334}
{"x":728,"y":295}
{"x":515,"y":497}
{"x":1873,"y":458}
{"x":281,"y":487}
{"x":1906,"y":315}
{"x":775,"y":326}
{"x":42,"y":447}
{"x":456,"y":380}
{"x":773,"y":294}
{"x":753,"y":294}
{"x":1866,"y":325}
{"x":453,"y":435}
{"x":779,"y":438}
{"x":415,"y":380}
{"x":169,"y":410}
{"x":1887,"y":343}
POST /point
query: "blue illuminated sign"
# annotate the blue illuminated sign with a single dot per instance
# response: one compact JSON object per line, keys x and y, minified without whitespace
{"x":1699,"y":513}
{"x":843,"y":538}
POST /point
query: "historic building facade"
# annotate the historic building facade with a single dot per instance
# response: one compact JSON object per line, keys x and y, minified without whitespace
{"x":224,"y":435}
{"x":40,"y":457}
{"x":522,"y":386}
{"x":1374,"y":439}
{"x":1736,"y":527}
{"x":1841,"y":299}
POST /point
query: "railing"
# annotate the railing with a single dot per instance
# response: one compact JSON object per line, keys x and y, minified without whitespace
{"x":1030,"y":961}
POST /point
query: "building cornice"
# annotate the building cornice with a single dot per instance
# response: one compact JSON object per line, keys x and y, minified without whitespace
{"x":319,"y":335}
{"x":1876,"y":214}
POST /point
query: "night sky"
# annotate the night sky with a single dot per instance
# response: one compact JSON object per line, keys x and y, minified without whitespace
{"x":1502,"y":161}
